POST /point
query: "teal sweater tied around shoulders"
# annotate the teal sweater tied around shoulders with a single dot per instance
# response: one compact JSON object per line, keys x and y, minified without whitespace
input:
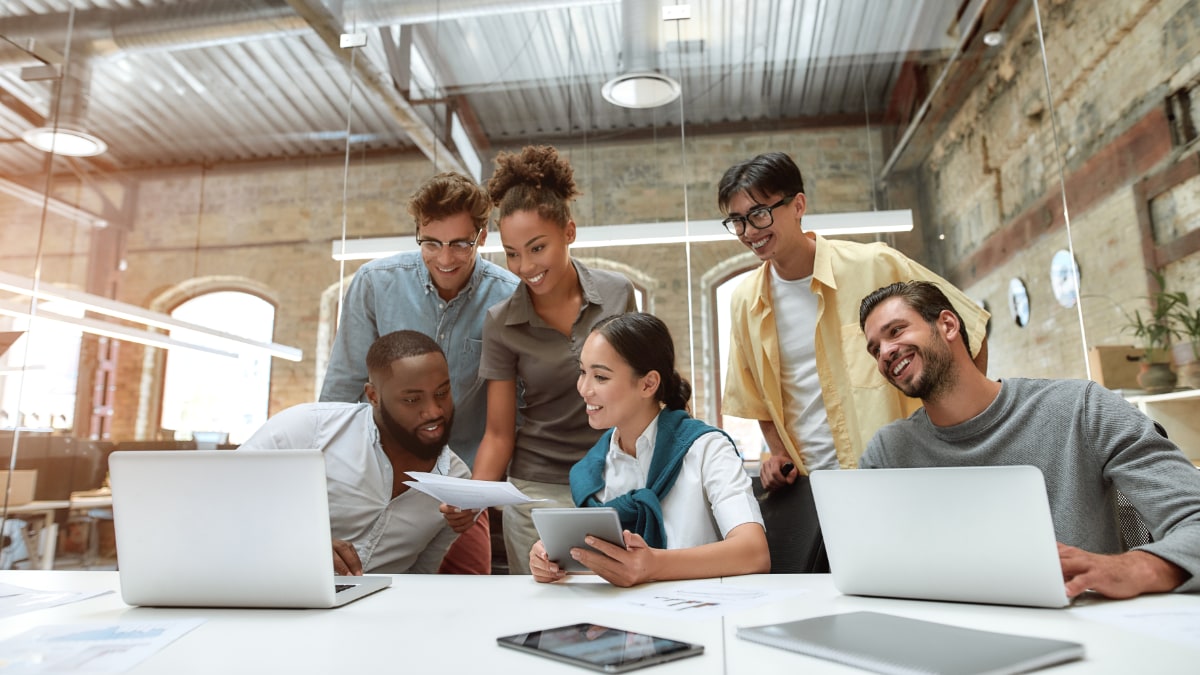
{"x":641,"y":510}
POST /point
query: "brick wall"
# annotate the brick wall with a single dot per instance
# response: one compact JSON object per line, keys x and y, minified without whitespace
{"x":270,"y":225}
{"x":987,"y":184}
{"x":991,"y":181}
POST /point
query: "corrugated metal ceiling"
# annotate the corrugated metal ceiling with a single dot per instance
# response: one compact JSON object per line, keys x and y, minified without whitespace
{"x":229,"y":80}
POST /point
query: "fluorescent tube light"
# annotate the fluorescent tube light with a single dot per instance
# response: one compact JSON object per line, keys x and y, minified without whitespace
{"x":54,"y":205}
{"x":112,"y":330}
{"x":234,"y":344}
{"x":642,"y":234}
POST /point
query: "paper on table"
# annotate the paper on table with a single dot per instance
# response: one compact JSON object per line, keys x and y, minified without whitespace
{"x":1179,"y":624}
{"x":466,"y":493}
{"x":95,"y":648}
{"x":696,"y":599}
{"x":18,"y":599}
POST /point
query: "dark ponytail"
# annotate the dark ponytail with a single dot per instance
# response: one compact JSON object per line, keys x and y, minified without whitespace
{"x":645,"y":343}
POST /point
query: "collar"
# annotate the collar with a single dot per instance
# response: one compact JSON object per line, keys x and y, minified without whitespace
{"x":644,"y":443}
{"x":822,"y":262}
{"x":822,"y":274}
{"x":521,"y":308}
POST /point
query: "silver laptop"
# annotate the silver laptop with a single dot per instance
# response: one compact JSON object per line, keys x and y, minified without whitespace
{"x":225,"y":528}
{"x":966,"y":534}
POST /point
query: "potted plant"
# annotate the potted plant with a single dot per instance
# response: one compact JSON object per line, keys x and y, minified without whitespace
{"x":1156,"y":330}
{"x":1187,"y":354}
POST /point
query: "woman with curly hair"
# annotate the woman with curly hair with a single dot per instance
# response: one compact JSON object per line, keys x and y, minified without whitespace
{"x":532,"y":340}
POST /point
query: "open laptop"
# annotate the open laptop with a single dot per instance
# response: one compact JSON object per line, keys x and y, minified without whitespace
{"x":224,"y":528}
{"x":967,"y":534}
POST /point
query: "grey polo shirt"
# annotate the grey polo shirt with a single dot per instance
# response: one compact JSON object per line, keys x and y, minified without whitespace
{"x":519,"y":345}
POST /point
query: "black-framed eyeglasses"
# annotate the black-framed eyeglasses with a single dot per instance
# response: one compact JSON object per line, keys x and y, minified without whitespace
{"x":459,"y":247}
{"x":759,"y":217}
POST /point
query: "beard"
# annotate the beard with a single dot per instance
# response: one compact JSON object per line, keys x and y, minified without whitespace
{"x":408,"y":439}
{"x":936,"y":377}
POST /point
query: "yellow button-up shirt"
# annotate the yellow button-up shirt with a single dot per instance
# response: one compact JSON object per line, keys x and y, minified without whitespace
{"x":858,"y":401}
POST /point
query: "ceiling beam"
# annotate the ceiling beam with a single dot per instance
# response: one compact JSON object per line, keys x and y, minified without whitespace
{"x":329,"y":29}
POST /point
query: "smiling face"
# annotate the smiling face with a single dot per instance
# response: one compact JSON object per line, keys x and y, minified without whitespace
{"x":911,"y":353}
{"x":412,"y":403}
{"x":536,"y":249}
{"x":784,"y":235}
{"x":449,"y":269}
{"x":614,"y":395}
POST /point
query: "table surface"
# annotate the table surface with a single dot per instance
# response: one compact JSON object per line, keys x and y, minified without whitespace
{"x":448,"y":624}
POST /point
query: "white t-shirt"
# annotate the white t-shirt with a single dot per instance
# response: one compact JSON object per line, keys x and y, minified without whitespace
{"x":391,"y":536}
{"x":711,"y":496}
{"x":796,"y":322}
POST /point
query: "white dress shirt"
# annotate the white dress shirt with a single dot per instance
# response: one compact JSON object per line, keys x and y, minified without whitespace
{"x":391,"y":536}
{"x":711,"y":496}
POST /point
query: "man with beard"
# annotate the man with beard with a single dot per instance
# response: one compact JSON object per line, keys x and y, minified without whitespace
{"x":443,"y":290}
{"x":796,"y":361}
{"x":1087,"y":441}
{"x":378,"y":524}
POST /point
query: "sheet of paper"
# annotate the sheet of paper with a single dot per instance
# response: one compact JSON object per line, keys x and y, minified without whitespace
{"x":18,"y":599}
{"x":696,"y":600}
{"x":1180,"y":625}
{"x":88,"y":648}
{"x":466,"y":493}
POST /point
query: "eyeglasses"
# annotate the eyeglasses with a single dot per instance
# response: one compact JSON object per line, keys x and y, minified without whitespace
{"x":458,"y":247}
{"x":760,"y":218}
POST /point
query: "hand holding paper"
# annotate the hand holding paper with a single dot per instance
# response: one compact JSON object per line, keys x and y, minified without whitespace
{"x":465,"y":493}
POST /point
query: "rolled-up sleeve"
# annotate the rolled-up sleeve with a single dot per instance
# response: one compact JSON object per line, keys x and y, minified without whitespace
{"x":726,"y":484}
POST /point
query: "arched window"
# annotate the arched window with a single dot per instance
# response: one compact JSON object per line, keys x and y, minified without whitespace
{"x":39,"y":371}
{"x":745,"y":433}
{"x":213,"y":393}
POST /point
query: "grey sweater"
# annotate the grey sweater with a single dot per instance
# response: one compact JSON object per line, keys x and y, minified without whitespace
{"x":1088,"y":442}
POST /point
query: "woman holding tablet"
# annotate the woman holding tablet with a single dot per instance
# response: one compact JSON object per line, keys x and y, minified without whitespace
{"x":684,"y":499}
{"x":531,"y":339}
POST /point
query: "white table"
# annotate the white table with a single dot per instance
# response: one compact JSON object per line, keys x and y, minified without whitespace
{"x":444,"y":624}
{"x":42,"y":546}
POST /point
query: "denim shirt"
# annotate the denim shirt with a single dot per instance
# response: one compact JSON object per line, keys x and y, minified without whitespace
{"x":396,"y":293}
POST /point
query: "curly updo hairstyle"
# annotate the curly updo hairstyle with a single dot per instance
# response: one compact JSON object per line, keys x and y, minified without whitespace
{"x":535,"y":179}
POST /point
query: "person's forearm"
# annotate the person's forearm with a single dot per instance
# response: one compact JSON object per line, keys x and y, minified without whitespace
{"x":491,"y":461}
{"x":744,"y":551}
{"x":1156,"y":574}
{"x":771,"y":437}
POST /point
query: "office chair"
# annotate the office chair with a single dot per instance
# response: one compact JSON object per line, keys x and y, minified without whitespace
{"x":793,"y":532}
{"x":1132,"y":528}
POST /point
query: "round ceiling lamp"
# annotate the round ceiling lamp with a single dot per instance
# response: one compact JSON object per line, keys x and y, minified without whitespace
{"x":640,"y":90}
{"x":65,"y":141}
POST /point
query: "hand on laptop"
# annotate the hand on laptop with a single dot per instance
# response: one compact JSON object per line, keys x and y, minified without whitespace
{"x":459,"y":520}
{"x":1126,"y":575}
{"x":345,"y":559}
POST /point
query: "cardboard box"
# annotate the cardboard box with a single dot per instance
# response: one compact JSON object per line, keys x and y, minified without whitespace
{"x":23,"y":483}
{"x":1115,"y":366}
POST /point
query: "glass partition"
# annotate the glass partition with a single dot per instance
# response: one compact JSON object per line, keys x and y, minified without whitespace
{"x":245,"y":141}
